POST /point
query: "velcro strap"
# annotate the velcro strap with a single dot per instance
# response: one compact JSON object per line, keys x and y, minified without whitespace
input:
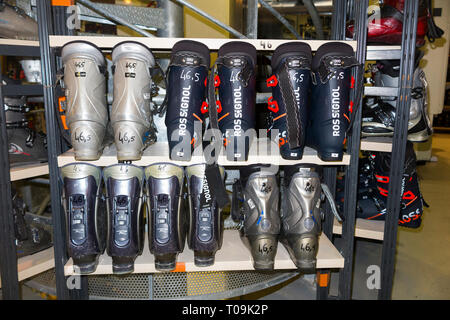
{"x":237,"y":198}
{"x":294,"y":127}
{"x":216,"y":184}
{"x":185,"y":59}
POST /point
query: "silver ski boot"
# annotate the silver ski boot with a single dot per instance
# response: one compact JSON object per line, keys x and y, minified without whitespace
{"x":85,"y":89}
{"x":131,"y":116}
{"x":301,"y":216}
{"x":260,"y":215}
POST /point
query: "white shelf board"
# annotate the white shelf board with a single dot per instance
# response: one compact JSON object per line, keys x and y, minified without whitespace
{"x":28,"y":171}
{"x":368,"y":229}
{"x":383,"y":144}
{"x":232,"y":256}
{"x":34,"y":264}
{"x":168,"y":43}
{"x":18,"y":42}
{"x":159,"y":152}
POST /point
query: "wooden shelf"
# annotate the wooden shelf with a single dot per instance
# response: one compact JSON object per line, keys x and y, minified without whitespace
{"x":168,"y":43}
{"x":232,"y":256}
{"x":159,"y":152}
{"x":383,"y":144}
{"x":34,"y":264}
{"x":368,"y":229}
{"x":28,"y":171}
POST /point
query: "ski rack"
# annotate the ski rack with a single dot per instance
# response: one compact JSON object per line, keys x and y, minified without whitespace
{"x":352,"y":227}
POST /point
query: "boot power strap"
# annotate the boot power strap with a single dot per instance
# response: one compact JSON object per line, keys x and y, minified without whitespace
{"x":331,"y":63}
{"x":237,"y":61}
{"x":185,"y":59}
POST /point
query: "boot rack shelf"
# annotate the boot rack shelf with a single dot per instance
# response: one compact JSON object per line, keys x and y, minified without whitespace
{"x":28,"y":171}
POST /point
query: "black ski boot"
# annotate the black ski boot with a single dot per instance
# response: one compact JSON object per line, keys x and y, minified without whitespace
{"x":166,"y":223}
{"x":330,"y":111}
{"x":186,"y":97}
{"x":236,"y":81}
{"x":85,"y":214}
{"x":25,"y":144}
{"x":290,"y":83}
{"x":205,"y":224}
{"x":124,"y":194}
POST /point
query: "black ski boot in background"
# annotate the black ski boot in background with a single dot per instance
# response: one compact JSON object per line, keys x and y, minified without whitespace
{"x":166,"y":222}
{"x":301,"y":215}
{"x":205,"y":224}
{"x":236,"y":82}
{"x":25,"y":144}
{"x":331,"y":109}
{"x":85,"y":214}
{"x":124,"y":195}
{"x":259,"y":214}
{"x":290,"y":83}
{"x":186,"y":97}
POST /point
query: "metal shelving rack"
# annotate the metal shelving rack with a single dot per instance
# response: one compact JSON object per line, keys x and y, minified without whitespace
{"x":47,"y":49}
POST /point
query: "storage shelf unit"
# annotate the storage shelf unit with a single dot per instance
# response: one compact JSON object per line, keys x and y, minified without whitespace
{"x":367,"y":229}
{"x":383,"y":144}
{"x":233,"y":255}
{"x":28,"y":171}
{"x":35,"y":263}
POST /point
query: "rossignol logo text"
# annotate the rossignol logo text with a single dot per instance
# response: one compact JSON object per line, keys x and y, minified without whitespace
{"x":184,"y":107}
{"x":237,"y":102}
{"x":206,"y":191}
{"x":335,"y":114}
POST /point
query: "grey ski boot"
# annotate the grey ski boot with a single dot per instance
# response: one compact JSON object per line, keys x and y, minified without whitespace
{"x":124,"y":195}
{"x":166,"y":222}
{"x":131,"y":117}
{"x":85,"y":90}
{"x":260,"y":215}
{"x":301,"y":215}
{"x":85,"y":214}
{"x":205,"y":218}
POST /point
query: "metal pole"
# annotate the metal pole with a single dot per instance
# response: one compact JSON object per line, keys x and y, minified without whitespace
{"x":210,"y":18}
{"x":252,"y":19}
{"x":48,"y":82}
{"x":114,"y":18}
{"x":8,"y":255}
{"x":277,"y":15}
{"x":353,"y":144}
{"x":338,"y":19}
{"x":399,"y":145}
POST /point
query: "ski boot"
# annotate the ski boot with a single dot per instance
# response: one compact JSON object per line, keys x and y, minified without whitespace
{"x":236,"y":82}
{"x":206,"y":225}
{"x":85,"y":214}
{"x":25,"y":144}
{"x":301,"y":215}
{"x":186,"y":97}
{"x":412,"y":203}
{"x":166,"y":227}
{"x":259,"y":214}
{"x":85,"y":90}
{"x":329,"y":112}
{"x":291,"y":64}
{"x":131,"y":117}
{"x":124,"y":195}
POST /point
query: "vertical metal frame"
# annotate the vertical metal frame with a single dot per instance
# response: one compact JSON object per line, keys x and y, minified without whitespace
{"x":353,"y":145}
{"x":53,"y":141}
{"x":8,"y":255}
{"x":399,"y":145}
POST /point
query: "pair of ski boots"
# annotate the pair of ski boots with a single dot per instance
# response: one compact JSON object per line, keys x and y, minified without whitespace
{"x":120,"y":228}
{"x":86,"y":111}
{"x":321,"y":122}
{"x":256,"y":204}
{"x":189,"y":89}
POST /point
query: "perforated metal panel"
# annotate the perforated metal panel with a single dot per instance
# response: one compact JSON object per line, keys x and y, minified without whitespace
{"x":171,"y":285}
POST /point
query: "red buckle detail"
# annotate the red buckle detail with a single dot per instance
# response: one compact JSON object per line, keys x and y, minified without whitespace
{"x":352,"y":84}
{"x":216,"y":81}
{"x":219,"y":106}
{"x":204,"y":107}
{"x":408,"y":195}
{"x":271,"y":103}
{"x":350,"y":107}
{"x":383,"y":192}
{"x":272,"y":81}
{"x":206,"y":81}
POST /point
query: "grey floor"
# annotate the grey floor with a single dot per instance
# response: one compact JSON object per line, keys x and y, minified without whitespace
{"x":423,"y":256}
